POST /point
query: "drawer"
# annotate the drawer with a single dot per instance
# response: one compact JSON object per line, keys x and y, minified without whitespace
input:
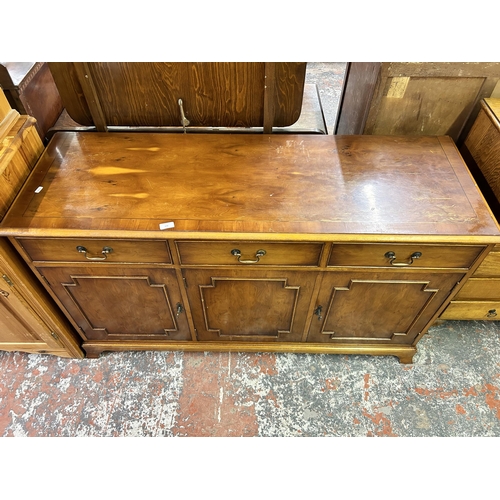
{"x":123,"y":251}
{"x":490,"y":267}
{"x":403,"y":255}
{"x":237,"y":253}
{"x":480,"y":289}
{"x":472,"y":310}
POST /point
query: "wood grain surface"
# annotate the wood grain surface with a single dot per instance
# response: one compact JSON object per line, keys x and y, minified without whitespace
{"x":128,"y":184}
{"x":218,"y":94}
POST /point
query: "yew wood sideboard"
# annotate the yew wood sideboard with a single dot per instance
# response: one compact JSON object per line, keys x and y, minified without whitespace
{"x":265,"y":242}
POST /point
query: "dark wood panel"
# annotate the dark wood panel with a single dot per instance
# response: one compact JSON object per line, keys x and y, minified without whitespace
{"x":229,"y":94}
{"x":126,"y":303}
{"x":415,"y":98}
{"x":255,"y":306}
{"x":378,"y":307}
{"x":31,"y":89}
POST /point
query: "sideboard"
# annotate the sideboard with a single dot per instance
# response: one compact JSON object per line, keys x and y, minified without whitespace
{"x":251,"y":242}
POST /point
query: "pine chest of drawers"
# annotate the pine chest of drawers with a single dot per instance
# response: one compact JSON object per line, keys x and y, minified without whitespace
{"x":331,"y":244}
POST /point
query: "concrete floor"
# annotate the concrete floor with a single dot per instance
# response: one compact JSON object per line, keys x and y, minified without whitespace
{"x":451,"y":389}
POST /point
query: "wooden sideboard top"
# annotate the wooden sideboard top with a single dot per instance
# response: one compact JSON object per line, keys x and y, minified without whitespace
{"x":241,"y":186}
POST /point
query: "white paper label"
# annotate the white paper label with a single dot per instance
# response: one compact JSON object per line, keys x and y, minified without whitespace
{"x":166,"y":225}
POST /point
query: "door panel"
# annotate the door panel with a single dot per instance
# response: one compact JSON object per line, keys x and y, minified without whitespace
{"x":126,"y":304}
{"x":17,"y":324}
{"x":249,"y":305}
{"x":378,"y":307}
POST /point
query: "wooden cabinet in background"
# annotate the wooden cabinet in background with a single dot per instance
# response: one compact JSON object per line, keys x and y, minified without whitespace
{"x":479,"y":299}
{"x":415,"y":98}
{"x":31,"y":90}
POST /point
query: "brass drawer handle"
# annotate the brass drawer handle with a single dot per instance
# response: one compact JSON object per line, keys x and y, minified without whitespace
{"x":491,"y":313}
{"x":105,"y":251}
{"x":392,"y":256}
{"x":258,"y":255}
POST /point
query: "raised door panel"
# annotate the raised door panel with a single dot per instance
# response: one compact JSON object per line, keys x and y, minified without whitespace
{"x":18,"y":325}
{"x":121,"y":304}
{"x":249,"y":306}
{"x":388,"y":308}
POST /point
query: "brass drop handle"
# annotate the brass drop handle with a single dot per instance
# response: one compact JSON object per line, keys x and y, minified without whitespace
{"x":392,"y":256}
{"x":105,"y":251}
{"x":258,"y":255}
{"x":491,"y":313}
{"x":3,"y":293}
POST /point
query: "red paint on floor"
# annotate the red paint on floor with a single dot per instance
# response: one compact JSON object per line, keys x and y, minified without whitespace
{"x":210,"y":404}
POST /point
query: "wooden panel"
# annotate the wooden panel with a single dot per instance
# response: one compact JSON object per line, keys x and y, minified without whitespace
{"x":418,"y":98}
{"x":17,"y":325}
{"x":19,"y":151}
{"x":213,"y":94}
{"x":34,"y":323}
{"x":483,"y":143}
{"x":65,"y":250}
{"x":121,"y":303}
{"x":480,"y":289}
{"x":220,"y":253}
{"x":256,"y":184}
{"x":254,"y":306}
{"x":384,"y":307}
{"x":359,"y":85}
{"x":432,"y":256}
{"x":425,"y":106}
{"x":489,"y":267}
{"x":472,"y":310}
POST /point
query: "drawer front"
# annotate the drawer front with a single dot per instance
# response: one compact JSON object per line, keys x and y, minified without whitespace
{"x":90,"y":250}
{"x":472,"y":310}
{"x":480,"y":289}
{"x":490,"y":267}
{"x":400,"y":255}
{"x":238,"y":253}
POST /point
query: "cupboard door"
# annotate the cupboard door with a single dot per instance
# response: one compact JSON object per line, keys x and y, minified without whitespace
{"x":121,"y":303}
{"x":249,"y":306}
{"x":20,"y":328}
{"x":384,"y":307}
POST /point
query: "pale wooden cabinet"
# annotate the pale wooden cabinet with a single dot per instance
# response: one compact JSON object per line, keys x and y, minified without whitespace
{"x":29,"y":319}
{"x":350,"y":244}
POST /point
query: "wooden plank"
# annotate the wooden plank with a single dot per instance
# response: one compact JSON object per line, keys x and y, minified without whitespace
{"x":269,"y":91}
{"x":8,"y":122}
{"x":91,"y":95}
{"x":5,"y":108}
{"x":359,"y":86}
